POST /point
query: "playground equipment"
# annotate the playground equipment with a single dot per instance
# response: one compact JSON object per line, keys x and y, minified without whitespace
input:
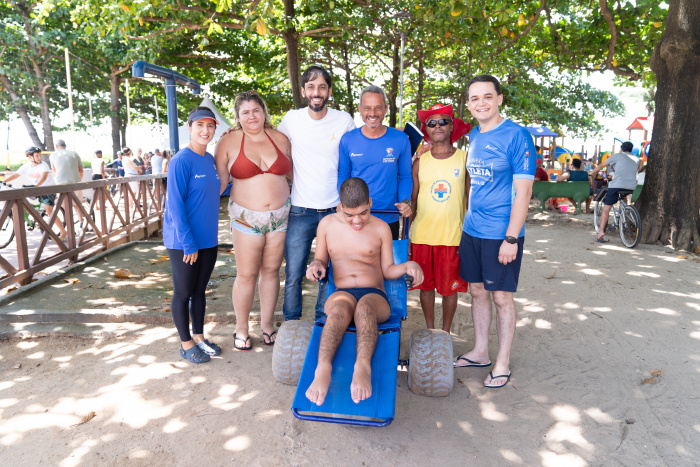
{"x":430,"y":370}
{"x":172,"y":78}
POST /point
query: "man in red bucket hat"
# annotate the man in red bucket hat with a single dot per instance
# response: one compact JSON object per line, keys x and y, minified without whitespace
{"x":440,"y":183}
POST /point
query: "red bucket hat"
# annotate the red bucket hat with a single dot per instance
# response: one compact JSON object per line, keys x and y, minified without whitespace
{"x":459,"y":128}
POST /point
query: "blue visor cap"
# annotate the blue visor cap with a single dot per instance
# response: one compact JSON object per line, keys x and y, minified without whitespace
{"x":200,"y":114}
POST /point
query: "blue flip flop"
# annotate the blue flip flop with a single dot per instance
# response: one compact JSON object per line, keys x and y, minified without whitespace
{"x":194,"y":355}
{"x":209,"y":348}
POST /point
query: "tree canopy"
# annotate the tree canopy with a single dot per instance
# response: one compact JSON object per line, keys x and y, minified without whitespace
{"x":540,"y":49}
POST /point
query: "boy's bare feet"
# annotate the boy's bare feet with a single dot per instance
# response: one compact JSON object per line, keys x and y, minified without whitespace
{"x":319,"y":386}
{"x":361,"y":386}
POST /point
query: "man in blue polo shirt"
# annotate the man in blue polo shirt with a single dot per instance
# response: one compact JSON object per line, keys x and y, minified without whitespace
{"x":501,"y":163}
{"x":379,"y":155}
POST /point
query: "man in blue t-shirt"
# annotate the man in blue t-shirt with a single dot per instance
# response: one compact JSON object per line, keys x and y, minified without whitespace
{"x":501,"y":164}
{"x":380,"y":156}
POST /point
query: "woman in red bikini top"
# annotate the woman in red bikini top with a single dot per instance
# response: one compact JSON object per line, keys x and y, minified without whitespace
{"x":258,"y":158}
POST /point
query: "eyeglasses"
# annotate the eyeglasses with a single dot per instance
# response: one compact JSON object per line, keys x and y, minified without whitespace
{"x":441,"y":122}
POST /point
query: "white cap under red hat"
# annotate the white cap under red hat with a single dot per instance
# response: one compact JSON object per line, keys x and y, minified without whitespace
{"x":459,"y":128}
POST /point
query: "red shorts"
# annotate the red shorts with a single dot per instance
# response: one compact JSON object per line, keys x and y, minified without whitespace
{"x":440,"y":265}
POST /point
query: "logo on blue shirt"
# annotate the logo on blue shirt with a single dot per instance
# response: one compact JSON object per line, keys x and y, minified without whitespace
{"x":390,"y":157}
{"x":480,"y":173}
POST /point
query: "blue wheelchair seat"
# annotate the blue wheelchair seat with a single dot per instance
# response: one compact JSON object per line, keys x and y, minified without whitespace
{"x":338,"y":407}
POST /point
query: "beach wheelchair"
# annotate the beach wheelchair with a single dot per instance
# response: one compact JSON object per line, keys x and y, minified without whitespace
{"x":430,"y":369}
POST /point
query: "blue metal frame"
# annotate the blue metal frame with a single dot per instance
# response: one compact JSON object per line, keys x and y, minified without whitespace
{"x":139,"y":70}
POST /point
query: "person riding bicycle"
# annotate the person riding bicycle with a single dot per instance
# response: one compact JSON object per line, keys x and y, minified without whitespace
{"x":39,"y":173}
{"x":625,"y":164}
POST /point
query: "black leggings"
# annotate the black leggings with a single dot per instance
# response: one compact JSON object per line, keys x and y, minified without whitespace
{"x":189,"y":284}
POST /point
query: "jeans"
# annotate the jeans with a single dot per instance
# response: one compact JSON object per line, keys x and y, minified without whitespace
{"x":301,"y":232}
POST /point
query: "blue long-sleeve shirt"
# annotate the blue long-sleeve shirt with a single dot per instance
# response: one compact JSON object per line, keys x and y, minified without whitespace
{"x":384,"y":163}
{"x":191,"y":218}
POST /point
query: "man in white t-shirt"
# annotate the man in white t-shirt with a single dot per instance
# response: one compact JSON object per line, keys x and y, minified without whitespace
{"x":315,"y":133}
{"x":157,"y":162}
{"x":98,"y":166}
{"x":39,"y":173}
{"x":625,"y":164}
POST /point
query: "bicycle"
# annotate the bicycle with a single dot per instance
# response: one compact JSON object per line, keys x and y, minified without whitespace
{"x":7,"y":229}
{"x":625,"y":217}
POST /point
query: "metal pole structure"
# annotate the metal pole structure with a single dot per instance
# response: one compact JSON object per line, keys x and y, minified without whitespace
{"x":403,"y":42}
{"x":172,"y":78}
{"x":171,"y":102}
{"x":128,"y":105}
{"x":160,"y":129}
{"x":70,"y":97}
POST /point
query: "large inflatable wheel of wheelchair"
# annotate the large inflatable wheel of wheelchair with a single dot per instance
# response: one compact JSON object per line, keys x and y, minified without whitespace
{"x":290,"y":350}
{"x":430,"y":371}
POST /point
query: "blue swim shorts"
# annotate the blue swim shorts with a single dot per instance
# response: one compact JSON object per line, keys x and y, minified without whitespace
{"x":478,"y":262}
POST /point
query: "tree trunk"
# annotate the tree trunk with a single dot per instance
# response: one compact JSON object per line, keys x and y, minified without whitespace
{"x":421,"y":82}
{"x":114,"y":108}
{"x":22,"y":111}
{"x":348,"y":82}
{"x":670,"y":200}
{"x":291,"y":40}
{"x":46,"y":115}
{"x":394,"y":90}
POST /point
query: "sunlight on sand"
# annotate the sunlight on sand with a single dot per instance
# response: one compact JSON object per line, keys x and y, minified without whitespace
{"x":598,"y":415}
{"x":542,"y":324}
{"x":664,"y":311}
{"x":643,"y":274}
{"x":78,"y":453}
{"x":591,"y":272}
{"x":239,"y":443}
{"x":174,"y":425}
{"x":27,"y":345}
{"x":510,"y":456}
{"x":679,"y":294}
{"x":467,"y":428}
{"x":489,"y":412}
{"x":551,"y":459}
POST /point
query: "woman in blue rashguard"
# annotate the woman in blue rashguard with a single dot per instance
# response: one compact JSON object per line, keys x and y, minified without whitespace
{"x":190,"y":233}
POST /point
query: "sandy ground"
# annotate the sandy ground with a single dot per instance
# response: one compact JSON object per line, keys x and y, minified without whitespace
{"x":593,"y":321}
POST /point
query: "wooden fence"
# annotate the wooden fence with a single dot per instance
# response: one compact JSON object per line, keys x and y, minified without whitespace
{"x":133,"y":212}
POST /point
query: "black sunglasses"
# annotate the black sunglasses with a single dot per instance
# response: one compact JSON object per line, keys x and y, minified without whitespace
{"x":441,"y":122}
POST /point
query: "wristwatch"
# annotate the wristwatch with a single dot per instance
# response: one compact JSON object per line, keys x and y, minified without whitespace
{"x":407,"y":201}
{"x":511,"y":240}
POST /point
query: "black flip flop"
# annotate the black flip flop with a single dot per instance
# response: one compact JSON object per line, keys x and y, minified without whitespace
{"x":602,"y":240}
{"x":237,"y":347}
{"x":269,"y":340}
{"x":495,"y":386}
{"x":469,"y":363}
